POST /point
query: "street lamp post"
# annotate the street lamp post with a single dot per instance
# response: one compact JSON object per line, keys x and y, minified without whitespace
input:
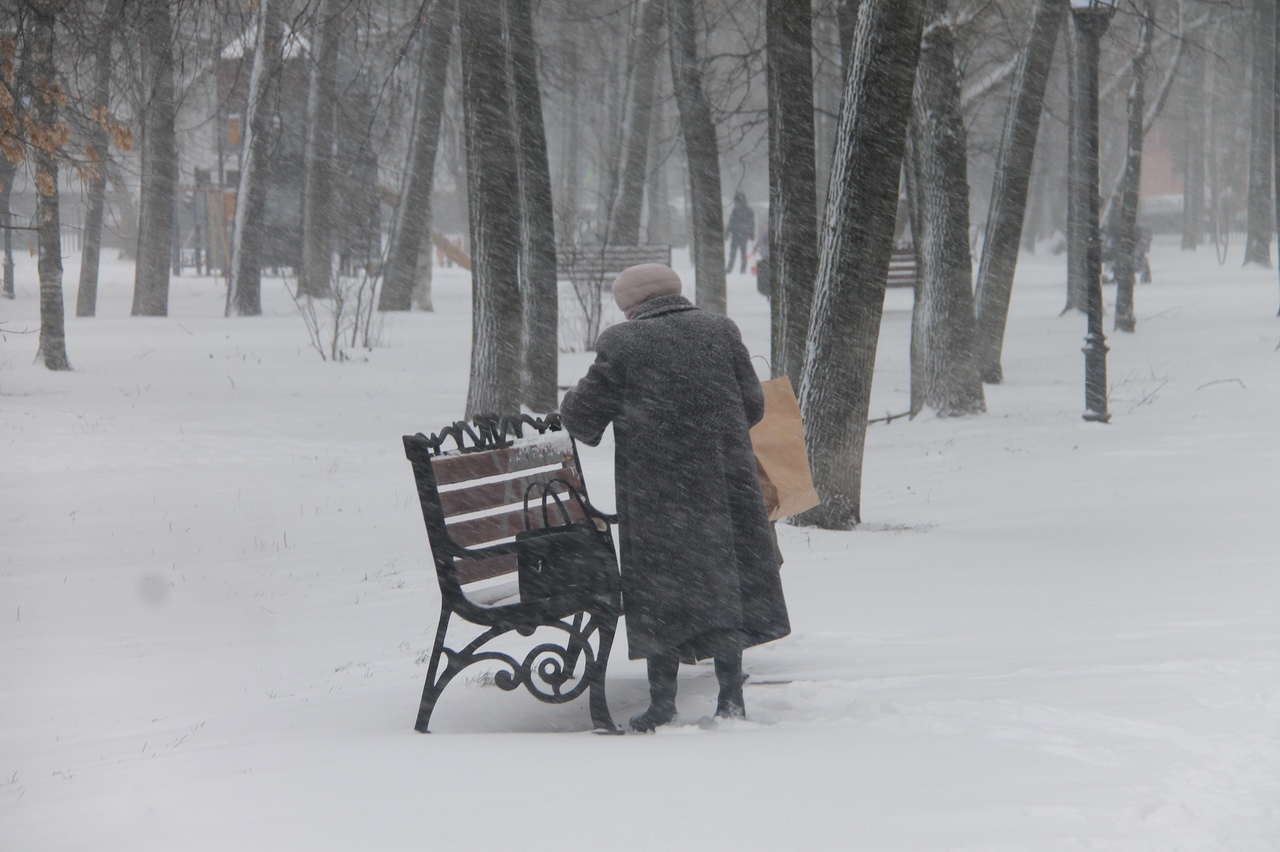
{"x":1091,"y":18}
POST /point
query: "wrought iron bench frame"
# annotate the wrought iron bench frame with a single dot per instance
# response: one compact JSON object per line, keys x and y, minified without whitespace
{"x":481,"y":453}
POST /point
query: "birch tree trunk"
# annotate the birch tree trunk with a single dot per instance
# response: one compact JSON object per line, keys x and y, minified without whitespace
{"x":1261,"y":210}
{"x":853,"y":258}
{"x":46,"y":97}
{"x":493,"y":180}
{"x":706,"y":231}
{"x":411,"y":227}
{"x":1008,"y":206}
{"x":539,"y":291}
{"x":793,"y":213}
{"x":159,"y":164}
{"x":626,"y":211}
{"x":244,"y":288}
{"x":1126,"y":248}
{"x":943,"y":326}
{"x":318,"y":223}
{"x":98,"y":150}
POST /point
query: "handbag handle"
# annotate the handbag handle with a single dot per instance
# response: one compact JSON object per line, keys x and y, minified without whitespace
{"x":549,"y":492}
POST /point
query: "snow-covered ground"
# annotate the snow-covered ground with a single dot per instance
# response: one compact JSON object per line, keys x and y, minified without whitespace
{"x":216,"y":597}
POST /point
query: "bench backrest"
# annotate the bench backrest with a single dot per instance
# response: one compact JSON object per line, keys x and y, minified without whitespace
{"x":902,"y":268}
{"x":474,"y":498}
{"x":604,"y":263}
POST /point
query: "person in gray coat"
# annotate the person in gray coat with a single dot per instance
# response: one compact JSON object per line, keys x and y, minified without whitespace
{"x":700,"y":570}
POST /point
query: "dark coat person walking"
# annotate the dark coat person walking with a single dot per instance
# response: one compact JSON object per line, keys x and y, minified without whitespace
{"x":700,"y":572}
{"x":741,"y":228}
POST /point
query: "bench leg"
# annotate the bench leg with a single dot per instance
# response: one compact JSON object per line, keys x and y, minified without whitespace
{"x":599,"y":706}
{"x":431,"y":691}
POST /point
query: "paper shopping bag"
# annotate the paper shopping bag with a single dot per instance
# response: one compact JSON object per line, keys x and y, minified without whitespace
{"x":781,"y":459}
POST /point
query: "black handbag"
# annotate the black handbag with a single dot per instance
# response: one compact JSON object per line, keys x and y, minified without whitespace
{"x":571,"y":558}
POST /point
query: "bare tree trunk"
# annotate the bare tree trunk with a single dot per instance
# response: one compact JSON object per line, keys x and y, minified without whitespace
{"x":539,"y":290}
{"x":793,"y":213}
{"x":1193,"y":141}
{"x":570,"y":177}
{"x":125,"y":221}
{"x":159,"y":164}
{"x":493,"y":179}
{"x":703,"y":154}
{"x":1257,"y":248}
{"x":854,"y":250}
{"x":1275,"y":118}
{"x":7,"y":171}
{"x":1078,"y":193}
{"x":318,"y":225}
{"x":626,"y":211}
{"x":412,"y":224}
{"x":658,"y":196}
{"x":1009,"y":193}
{"x":53,"y":341}
{"x":943,"y":324}
{"x":244,"y":288}
{"x":98,"y":148}
{"x":1126,"y":248}
{"x":846,"y":23}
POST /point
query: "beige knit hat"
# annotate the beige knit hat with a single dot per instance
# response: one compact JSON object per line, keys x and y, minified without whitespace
{"x":639,"y":284}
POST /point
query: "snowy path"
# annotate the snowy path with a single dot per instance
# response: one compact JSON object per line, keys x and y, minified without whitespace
{"x":215,"y":596}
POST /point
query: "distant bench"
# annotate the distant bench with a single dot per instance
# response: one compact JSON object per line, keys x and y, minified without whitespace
{"x":902,"y":268}
{"x":600,"y":264}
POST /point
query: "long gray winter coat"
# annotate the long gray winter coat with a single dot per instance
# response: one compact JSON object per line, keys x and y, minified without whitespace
{"x":698,"y":554}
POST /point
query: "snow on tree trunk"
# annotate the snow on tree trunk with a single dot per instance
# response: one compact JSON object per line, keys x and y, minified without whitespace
{"x":1126,"y":248}
{"x":703,"y":155}
{"x":846,"y":23}
{"x":411,"y":227}
{"x":1261,"y":209}
{"x":244,"y":290}
{"x":159,"y":164}
{"x":793,"y":213}
{"x":46,"y":98}
{"x":96,"y":195}
{"x":1009,"y":192}
{"x":493,"y":180}
{"x":318,"y":207}
{"x":943,"y":326}
{"x":1194,"y":138}
{"x":853,"y":259}
{"x":626,"y":212}
{"x":539,"y":291}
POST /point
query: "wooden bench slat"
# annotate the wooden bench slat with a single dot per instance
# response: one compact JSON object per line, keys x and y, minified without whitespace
{"x":475,"y":570}
{"x":586,"y":262}
{"x":490,"y":495}
{"x":506,"y":524}
{"x":902,"y":268}
{"x":460,"y":468}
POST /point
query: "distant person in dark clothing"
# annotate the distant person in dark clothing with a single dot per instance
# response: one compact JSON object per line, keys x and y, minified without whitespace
{"x":742,"y":225}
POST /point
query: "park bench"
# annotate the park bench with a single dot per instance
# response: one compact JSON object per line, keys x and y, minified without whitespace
{"x":902,"y":268}
{"x":600,"y":264}
{"x":473,"y":497}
